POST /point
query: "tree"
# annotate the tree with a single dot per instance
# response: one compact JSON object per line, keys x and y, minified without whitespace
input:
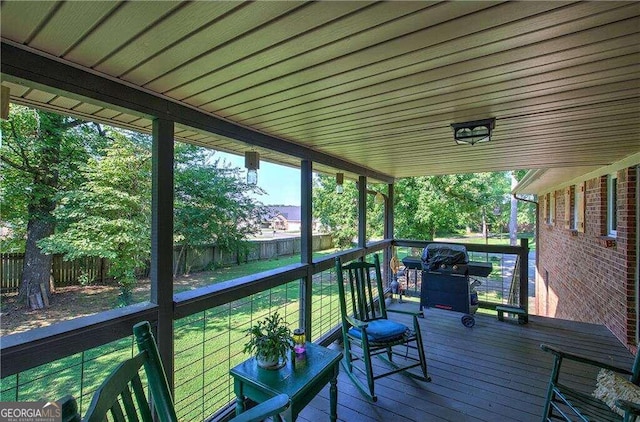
{"x":41,"y":155}
{"x":339,"y":212}
{"x":211,"y":203}
{"x":108,"y":215}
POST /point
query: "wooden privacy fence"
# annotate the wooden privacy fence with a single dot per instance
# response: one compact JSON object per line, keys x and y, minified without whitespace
{"x":198,"y":258}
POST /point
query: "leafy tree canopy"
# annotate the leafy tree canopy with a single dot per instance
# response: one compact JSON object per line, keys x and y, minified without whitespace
{"x":212,"y":203}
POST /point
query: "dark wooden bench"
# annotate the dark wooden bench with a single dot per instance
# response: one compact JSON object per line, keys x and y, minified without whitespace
{"x":523,"y":316}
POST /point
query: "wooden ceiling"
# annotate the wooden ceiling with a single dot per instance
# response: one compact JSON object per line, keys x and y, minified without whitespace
{"x":375,"y":84}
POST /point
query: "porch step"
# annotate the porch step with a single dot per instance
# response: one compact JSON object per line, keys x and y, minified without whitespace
{"x":523,"y":316}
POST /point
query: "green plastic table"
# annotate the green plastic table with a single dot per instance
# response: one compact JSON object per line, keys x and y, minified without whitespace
{"x":300,"y":379}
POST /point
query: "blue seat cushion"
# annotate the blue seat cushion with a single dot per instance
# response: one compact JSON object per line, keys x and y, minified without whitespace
{"x":381,"y":330}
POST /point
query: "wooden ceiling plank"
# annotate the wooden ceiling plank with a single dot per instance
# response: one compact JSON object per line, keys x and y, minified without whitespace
{"x":448,"y":79}
{"x":403,"y":51}
{"x":210,"y":49}
{"x":323,"y":43}
{"x":17,"y":90}
{"x":129,"y":63}
{"x":66,"y":103}
{"x":461,"y":50}
{"x":477,"y":109}
{"x":126,"y":118}
{"x":19,"y":19}
{"x":626,"y":68}
{"x":69,"y":24}
{"x":87,"y":108}
{"x":128,"y":21}
{"x":39,"y":96}
{"x":107,"y":113}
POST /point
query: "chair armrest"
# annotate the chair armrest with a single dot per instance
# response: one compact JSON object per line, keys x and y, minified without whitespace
{"x":582,"y":359}
{"x":271,"y":407}
{"x":398,"y":311}
{"x":356,"y":322}
{"x":629,"y":406}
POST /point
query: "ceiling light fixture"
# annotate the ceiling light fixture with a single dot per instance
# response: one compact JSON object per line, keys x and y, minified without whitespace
{"x":339,"y":183}
{"x":474,"y":132}
{"x":252,"y":163}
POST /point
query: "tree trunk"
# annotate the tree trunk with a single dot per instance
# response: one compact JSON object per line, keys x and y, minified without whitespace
{"x":485,"y":228}
{"x":176,"y":264}
{"x":37,"y":266}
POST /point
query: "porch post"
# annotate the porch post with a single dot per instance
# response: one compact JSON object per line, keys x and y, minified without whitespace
{"x":306,"y":245}
{"x":524,"y":274}
{"x":362,"y":211}
{"x":388,"y":232}
{"x":162,"y":239}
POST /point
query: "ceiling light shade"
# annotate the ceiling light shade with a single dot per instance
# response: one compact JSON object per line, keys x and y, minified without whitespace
{"x":339,"y":183}
{"x":379,"y":198}
{"x":475,"y":132}
{"x":252,"y":163}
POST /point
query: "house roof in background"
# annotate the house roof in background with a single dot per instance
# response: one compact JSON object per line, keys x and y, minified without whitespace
{"x":290,"y":212}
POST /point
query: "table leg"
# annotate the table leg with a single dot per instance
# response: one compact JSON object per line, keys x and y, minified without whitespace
{"x":333,"y":398}
{"x":240,"y":398}
{"x":240,"y":407}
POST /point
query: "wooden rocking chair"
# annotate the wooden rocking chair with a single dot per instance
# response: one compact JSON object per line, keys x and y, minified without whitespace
{"x":121,"y":396}
{"x":368,"y":332}
{"x":565,"y":403}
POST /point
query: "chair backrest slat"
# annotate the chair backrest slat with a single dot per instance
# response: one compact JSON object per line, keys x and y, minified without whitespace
{"x":143,"y":406}
{"x":116,"y":412}
{"x":127,"y":401}
{"x":114,"y":387}
{"x":156,"y":377}
{"x":367,"y":296}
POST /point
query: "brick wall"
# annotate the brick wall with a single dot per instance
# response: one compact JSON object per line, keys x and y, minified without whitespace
{"x":588,"y":276}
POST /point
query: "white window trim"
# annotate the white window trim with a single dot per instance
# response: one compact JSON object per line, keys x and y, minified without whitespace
{"x":574,"y":223}
{"x":611,"y":197}
{"x":552,"y":208}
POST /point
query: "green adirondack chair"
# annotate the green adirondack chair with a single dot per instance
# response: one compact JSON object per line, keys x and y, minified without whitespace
{"x":367,"y":331}
{"x":122,"y":396}
{"x":565,"y":403}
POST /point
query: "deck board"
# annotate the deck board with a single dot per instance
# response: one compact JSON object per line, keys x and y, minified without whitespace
{"x":494,"y":371}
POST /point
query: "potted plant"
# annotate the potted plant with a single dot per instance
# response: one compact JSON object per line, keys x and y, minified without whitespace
{"x":270,"y":340}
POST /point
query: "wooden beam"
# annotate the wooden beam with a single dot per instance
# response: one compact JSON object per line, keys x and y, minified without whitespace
{"x":28,"y":349}
{"x":162,"y":239}
{"x":62,"y":78}
{"x":306,"y":245}
{"x":362,"y":211}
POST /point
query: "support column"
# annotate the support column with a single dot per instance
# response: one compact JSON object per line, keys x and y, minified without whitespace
{"x":306,"y":244}
{"x":524,"y":274}
{"x":388,"y":231}
{"x":162,"y":239}
{"x":362,"y":211}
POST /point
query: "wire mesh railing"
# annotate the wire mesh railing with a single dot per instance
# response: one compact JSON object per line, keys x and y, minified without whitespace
{"x":325,"y":304}
{"x":501,"y":286}
{"x":209,"y":343}
{"x":79,"y":375}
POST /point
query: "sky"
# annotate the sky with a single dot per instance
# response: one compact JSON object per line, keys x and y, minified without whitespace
{"x":281,"y":184}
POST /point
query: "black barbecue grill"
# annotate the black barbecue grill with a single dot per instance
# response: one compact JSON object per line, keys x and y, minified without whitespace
{"x":445,"y":280}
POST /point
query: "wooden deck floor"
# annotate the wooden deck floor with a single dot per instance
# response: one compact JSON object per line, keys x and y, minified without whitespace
{"x":494,"y":371}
